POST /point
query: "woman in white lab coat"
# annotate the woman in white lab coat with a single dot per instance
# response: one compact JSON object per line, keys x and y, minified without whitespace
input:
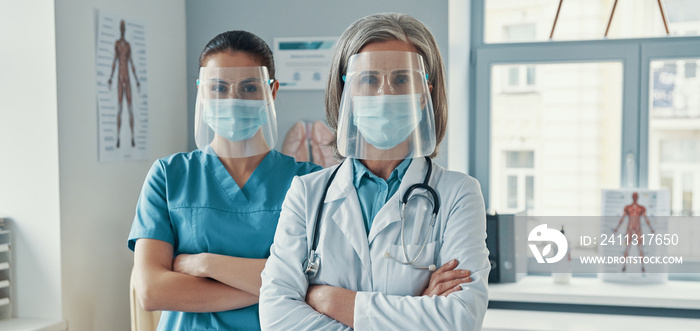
{"x":354,"y":246}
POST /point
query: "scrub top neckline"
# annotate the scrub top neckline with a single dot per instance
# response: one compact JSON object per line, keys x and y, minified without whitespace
{"x":230,"y":186}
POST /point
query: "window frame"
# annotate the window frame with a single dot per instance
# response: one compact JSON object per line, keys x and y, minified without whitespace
{"x":635,"y":55}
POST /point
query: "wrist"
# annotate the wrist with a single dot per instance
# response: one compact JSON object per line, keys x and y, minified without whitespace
{"x":319,"y":297}
{"x":337,"y":299}
{"x":327,"y":302}
{"x":340,"y":305}
{"x":204,"y":260}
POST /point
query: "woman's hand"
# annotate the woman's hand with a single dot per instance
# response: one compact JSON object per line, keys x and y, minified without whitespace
{"x":446,"y":280}
{"x":191,"y":264}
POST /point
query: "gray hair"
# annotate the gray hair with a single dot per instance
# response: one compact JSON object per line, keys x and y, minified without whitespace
{"x":384,"y":27}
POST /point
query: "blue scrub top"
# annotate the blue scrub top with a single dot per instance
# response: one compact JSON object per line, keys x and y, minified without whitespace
{"x":191,"y":201}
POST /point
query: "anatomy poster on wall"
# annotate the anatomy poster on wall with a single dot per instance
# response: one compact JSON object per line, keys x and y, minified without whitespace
{"x":122,"y":88}
{"x":637,"y":216}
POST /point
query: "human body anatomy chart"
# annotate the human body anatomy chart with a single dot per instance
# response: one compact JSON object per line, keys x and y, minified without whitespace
{"x":122,"y":89}
{"x":639,"y":215}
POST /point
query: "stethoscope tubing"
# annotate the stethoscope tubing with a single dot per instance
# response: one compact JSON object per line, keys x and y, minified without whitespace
{"x":313,"y":262}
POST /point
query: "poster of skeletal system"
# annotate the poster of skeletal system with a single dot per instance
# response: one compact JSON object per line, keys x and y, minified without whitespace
{"x":122,"y":88}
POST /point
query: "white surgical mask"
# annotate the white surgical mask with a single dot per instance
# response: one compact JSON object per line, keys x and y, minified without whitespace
{"x":386,"y":120}
{"x":235,"y":119}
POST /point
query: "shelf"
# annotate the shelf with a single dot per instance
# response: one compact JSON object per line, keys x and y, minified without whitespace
{"x":5,"y":303}
{"x":33,"y":324}
{"x":593,"y":291}
{"x":506,"y":319}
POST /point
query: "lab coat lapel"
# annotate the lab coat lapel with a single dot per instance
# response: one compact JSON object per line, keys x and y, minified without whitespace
{"x":342,"y":183}
{"x":348,"y":216}
{"x":391,"y":212}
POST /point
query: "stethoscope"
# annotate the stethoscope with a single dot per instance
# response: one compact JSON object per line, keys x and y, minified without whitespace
{"x":314,"y":261}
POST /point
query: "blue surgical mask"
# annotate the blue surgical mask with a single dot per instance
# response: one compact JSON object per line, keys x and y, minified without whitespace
{"x":235,"y":119}
{"x":386,"y":120}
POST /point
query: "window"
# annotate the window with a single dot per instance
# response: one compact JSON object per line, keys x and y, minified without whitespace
{"x":605,"y":113}
{"x":519,"y":174}
{"x":690,"y":69}
{"x":520,"y":78}
{"x":587,"y":19}
{"x":574,"y":122}
{"x":674,"y":133}
{"x":683,"y":10}
{"x":519,"y":32}
{"x":678,"y":167}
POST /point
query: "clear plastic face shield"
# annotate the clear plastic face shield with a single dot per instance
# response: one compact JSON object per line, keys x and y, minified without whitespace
{"x":386,"y":112}
{"x":235,"y":113}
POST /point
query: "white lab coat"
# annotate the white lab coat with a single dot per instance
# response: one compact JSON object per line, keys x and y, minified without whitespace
{"x":388,"y":293}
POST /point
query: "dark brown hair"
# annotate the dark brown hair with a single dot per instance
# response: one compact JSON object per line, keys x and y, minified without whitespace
{"x":240,"y":41}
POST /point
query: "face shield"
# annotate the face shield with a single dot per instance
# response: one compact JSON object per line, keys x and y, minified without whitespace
{"x":386,"y":112}
{"x":235,"y":113}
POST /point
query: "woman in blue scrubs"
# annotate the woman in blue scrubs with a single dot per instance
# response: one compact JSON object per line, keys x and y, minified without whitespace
{"x":205,"y":220}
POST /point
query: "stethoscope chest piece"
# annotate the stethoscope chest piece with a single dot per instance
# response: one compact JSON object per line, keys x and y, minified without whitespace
{"x":312,"y":264}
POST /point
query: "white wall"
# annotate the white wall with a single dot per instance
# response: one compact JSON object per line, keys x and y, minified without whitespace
{"x":458,"y":84}
{"x":98,"y":199}
{"x":70,"y":254}
{"x":29,"y":175}
{"x":299,"y":18}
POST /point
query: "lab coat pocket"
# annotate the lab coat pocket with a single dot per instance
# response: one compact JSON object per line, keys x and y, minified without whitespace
{"x":405,"y":279}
